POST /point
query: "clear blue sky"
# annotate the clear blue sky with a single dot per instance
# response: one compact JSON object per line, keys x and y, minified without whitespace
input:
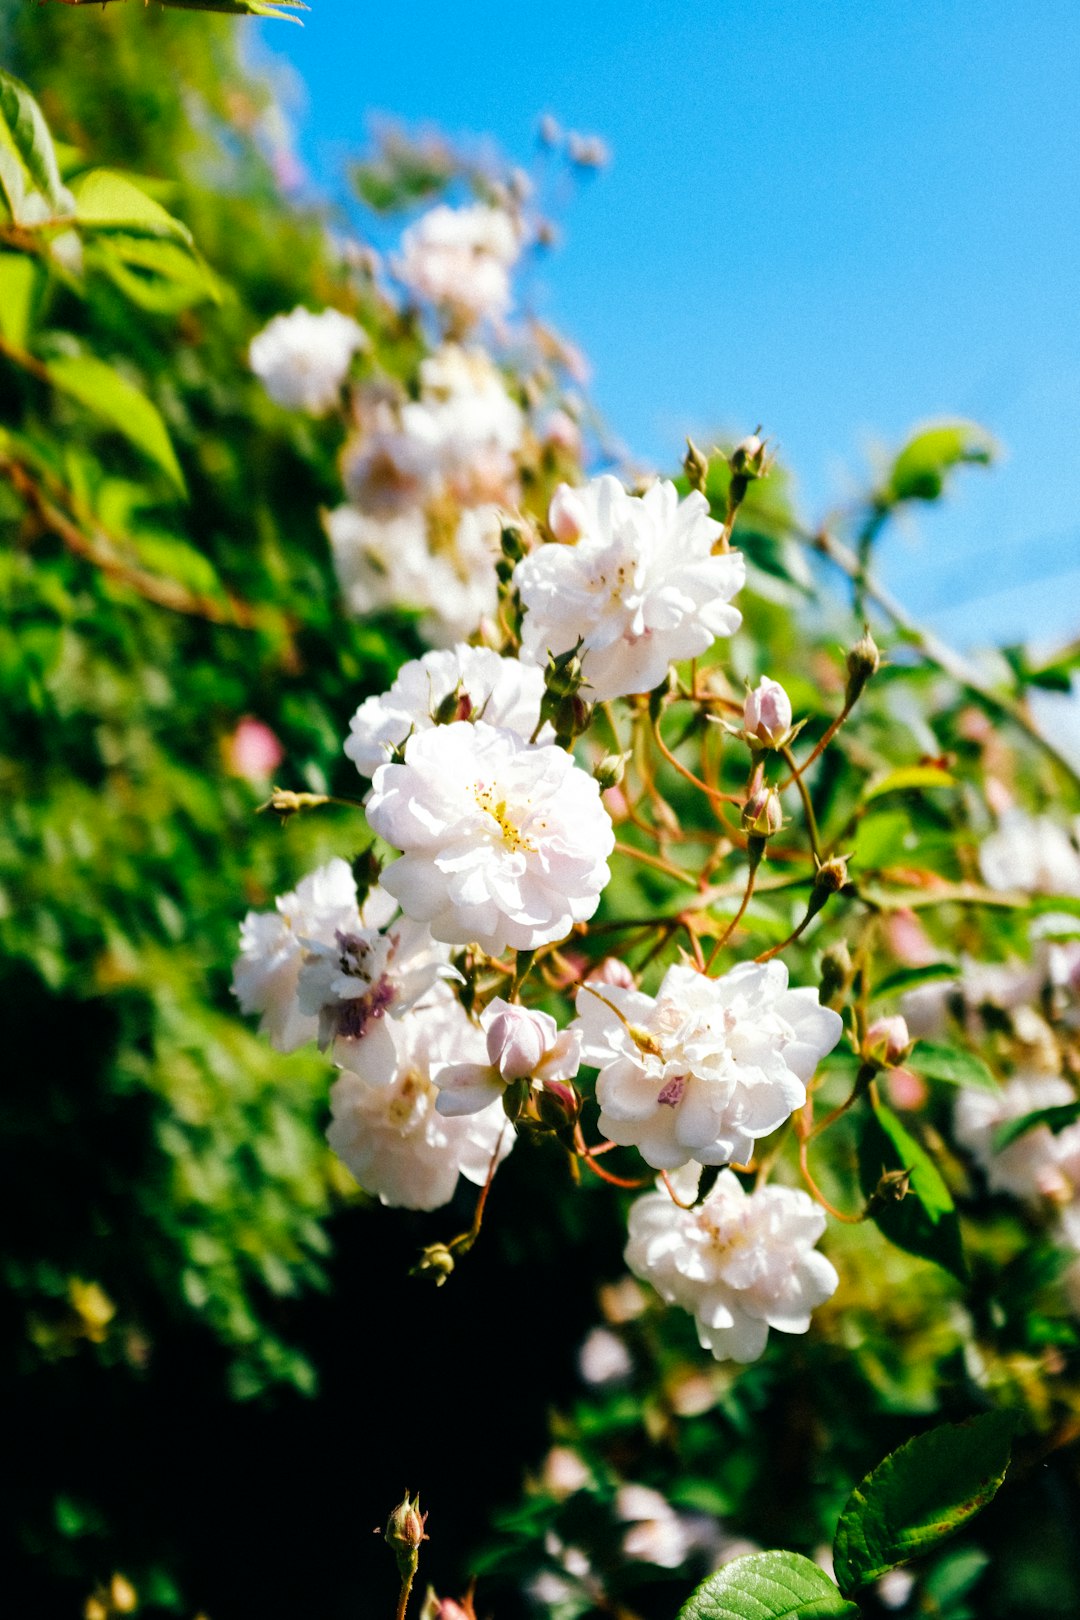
{"x":836,"y":217}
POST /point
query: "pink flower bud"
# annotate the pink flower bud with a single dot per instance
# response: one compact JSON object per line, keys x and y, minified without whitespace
{"x":517,"y":1039}
{"x":888,"y":1040}
{"x":566,"y":515}
{"x":767,"y":714}
{"x":612,"y":971}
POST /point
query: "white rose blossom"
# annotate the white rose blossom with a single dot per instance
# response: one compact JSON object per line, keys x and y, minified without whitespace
{"x":273,"y":945}
{"x":392,"y":1138}
{"x":501,"y":691}
{"x":636,"y":582}
{"x":708,"y":1066}
{"x":505,"y":843}
{"x":363,"y":977}
{"x":740,"y":1263}
{"x":302,"y":359}
{"x":1036,"y":1165}
{"x":1031,"y":853}
{"x":460,"y":259}
{"x":466,"y":422}
{"x":522,"y":1044}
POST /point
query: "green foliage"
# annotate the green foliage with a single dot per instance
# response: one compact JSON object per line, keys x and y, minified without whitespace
{"x":921,"y":1219}
{"x":919,"y":471}
{"x":1055,"y":1119}
{"x":920,"y":1495}
{"x":768,"y":1586}
{"x":951,"y":1064}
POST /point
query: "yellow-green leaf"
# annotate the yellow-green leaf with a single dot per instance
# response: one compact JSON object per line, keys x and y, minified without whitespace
{"x":107,"y":201}
{"x":23,"y":131}
{"x":906,"y":777}
{"x":918,"y":473}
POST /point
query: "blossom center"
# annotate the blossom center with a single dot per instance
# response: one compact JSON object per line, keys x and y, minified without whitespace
{"x":412,"y":1093}
{"x":512,"y":836}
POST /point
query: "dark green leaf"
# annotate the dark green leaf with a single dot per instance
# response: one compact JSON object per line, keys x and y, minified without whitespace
{"x":1056,"y":1119}
{"x":924,"y":1221}
{"x":909,"y":978}
{"x":767,"y":1586}
{"x":920,"y":1494}
{"x":97,"y":386}
{"x":952,"y":1064}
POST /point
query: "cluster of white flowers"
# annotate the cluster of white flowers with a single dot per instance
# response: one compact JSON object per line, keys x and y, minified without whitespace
{"x":302,"y":359}
{"x":1039,"y":1164}
{"x":740,"y":1262}
{"x":460,"y":260}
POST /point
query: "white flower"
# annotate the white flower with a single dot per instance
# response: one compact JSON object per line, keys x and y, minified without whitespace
{"x":740,"y":1262}
{"x":658,"y":1535}
{"x":302,"y":359}
{"x":1036,"y":1165}
{"x":522,"y":1044}
{"x":502,"y":691}
{"x":603,"y":1357}
{"x":640,"y":587}
{"x":504,"y":843}
{"x":767,"y":714}
{"x":708,"y":1066}
{"x":353,"y":984}
{"x":272,"y":948}
{"x":388,"y":471}
{"x":391,"y":1137}
{"x":1032,"y":853}
{"x":467,"y":423}
{"x":388,"y":563}
{"x":460,"y":258}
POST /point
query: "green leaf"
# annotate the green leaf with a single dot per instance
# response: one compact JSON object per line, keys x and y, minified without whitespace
{"x":767,"y":1586}
{"x":153,"y":272}
{"x":920,"y":1494}
{"x":97,"y":386}
{"x":20,"y":275}
{"x":906,"y":777}
{"x":918,"y":473}
{"x":924,"y":1222}
{"x":107,"y":201}
{"x":910,"y":978}
{"x":952,"y":1064}
{"x":24,"y":130}
{"x":1055,"y":1119}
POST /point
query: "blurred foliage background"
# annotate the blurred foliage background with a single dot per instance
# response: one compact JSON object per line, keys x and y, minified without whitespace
{"x":217,"y":1372}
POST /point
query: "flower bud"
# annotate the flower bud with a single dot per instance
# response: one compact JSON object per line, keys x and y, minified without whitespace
{"x":836,"y":967}
{"x":567,"y":518}
{"x":863,"y":660}
{"x":558,"y":1104}
{"x":564,"y":676}
{"x":748,"y":459}
{"x":887,"y":1041}
{"x":610,"y":771}
{"x":831,"y":875}
{"x":456,"y":705}
{"x":404,"y":1533}
{"x":512,"y":543}
{"x":436,"y":1259}
{"x":762,"y":814}
{"x":516,"y":1039}
{"x":767,"y":714}
{"x":696,"y":467}
{"x":122,"y":1595}
{"x":612,"y":970}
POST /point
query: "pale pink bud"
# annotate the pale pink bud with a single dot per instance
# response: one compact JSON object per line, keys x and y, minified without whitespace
{"x":767,"y":714}
{"x":888,"y":1040}
{"x":517,"y":1039}
{"x":612,"y":971}
{"x":566,"y":515}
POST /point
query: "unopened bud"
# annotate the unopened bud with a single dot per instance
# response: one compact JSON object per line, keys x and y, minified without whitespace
{"x":404,"y":1533}
{"x":558,"y":1104}
{"x":749,"y":458}
{"x":435,"y":1261}
{"x":284,"y":803}
{"x":892,"y":1188}
{"x":767,"y":715}
{"x":836,"y":968}
{"x":610,"y":771}
{"x":696,"y":467}
{"x":762,"y":814}
{"x":567,"y":517}
{"x":660,"y":694}
{"x":122,"y":1595}
{"x":571,"y":719}
{"x":456,"y":705}
{"x":516,"y":1039}
{"x":832,"y":875}
{"x":888,"y":1041}
{"x":512,"y":543}
{"x":612,"y":970}
{"x":564,"y":676}
{"x":366,"y":871}
{"x":863,"y":660}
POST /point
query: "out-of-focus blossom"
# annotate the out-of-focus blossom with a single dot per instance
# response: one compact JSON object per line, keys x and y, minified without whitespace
{"x":253,"y":751}
{"x":302,"y":359}
{"x":604,"y":1358}
{"x":1036,"y":1165}
{"x":1032,"y":853}
{"x":460,"y":260}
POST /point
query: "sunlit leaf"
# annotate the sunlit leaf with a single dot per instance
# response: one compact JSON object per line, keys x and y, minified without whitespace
{"x":918,"y":473}
{"x":908,"y":776}
{"x":952,"y":1064}
{"x":768,"y":1586}
{"x":24,"y":131}
{"x":105,"y":200}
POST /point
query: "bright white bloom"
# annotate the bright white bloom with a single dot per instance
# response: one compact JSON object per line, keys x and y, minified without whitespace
{"x":740,"y":1262}
{"x":302,"y":359}
{"x":640,"y":586}
{"x":502,"y":691}
{"x":708,"y":1066}
{"x":767,"y":713}
{"x":391,"y":1137}
{"x":355,"y":983}
{"x":522,"y":1044}
{"x":273,"y":945}
{"x":460,"y":258}
{"x":467,"y":423}
{"x":1038,"y":1164}
{"x":1032,"y":853}
{"x":388,"y":564}
{"x":504,"y":843}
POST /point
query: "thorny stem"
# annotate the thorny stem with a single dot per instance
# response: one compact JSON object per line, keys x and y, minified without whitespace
{"x":403,"y":1595}
{"x":738,"y":917}
{"x":936,"y":651}
{"x":807,"y":802}
{"x":683,"y":770}
{"x":804,"y":1119}
{"x":816,"y":753}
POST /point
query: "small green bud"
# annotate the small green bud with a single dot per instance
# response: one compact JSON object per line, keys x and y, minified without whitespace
{"x":610,"y":771}
{"x":832,"y":875}
{"x":762,"y":814}
{"x":564,"y":676}
{"x":863,"y":660}
{"x":404,"y":1533}
{"x":366,"y":871}
{"x":512,"y":543}
{"x":696,"y":467}
{"x":749,"y":459}
{"x":836,"y":969}
{"x":456,"y":705}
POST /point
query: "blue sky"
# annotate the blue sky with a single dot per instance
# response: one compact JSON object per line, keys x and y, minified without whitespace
{"x":836,"y":218}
